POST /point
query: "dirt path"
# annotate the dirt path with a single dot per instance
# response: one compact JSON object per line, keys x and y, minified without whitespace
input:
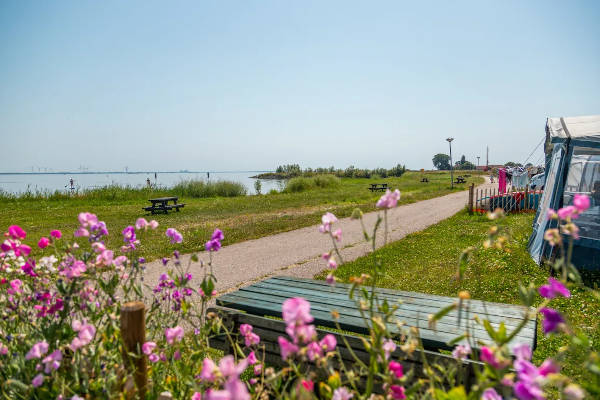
{"x":297,"y":253}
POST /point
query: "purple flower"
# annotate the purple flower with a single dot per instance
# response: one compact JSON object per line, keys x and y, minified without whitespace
{"x":388,"y":347}
{"x":129,"y":234}
{"x":148,"y":348}
{"x":165,"y":260}
{"x":487,"y":355}
{"x":296,"y":311}
{"x":38,"y":380}
{"x":141,"y":223}
{"x":553,"y":289}
{"x":528,"y":391}
{"x":16,"y":232}
{"x":56,"y":234}
{"x":212,"y":245}
{"x":396,"y":369}
{"x":217,"y":235}
{"x":327,"y":219}
{"x":287,"y":349}
{"x":175,"y":236}
{"x":44,"y":242}
{"x":37,"y":350}
{"x":552,"y":320}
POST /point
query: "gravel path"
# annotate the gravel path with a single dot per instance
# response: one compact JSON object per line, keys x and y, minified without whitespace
{"x":297,"y":253}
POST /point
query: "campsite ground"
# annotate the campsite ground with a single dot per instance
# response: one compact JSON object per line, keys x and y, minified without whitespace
{"x":242,"y":218}
{"x":427,"y":262}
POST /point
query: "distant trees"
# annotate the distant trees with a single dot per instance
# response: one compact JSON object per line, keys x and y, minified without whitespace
{"x":464,"y":164}
{"x":290,"y":170}
{"x":294,"y":170}
{"x":441,"y":161}
{"x":513,"y":164}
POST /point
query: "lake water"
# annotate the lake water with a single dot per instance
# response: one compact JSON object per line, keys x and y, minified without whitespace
{"x":18,"y":183}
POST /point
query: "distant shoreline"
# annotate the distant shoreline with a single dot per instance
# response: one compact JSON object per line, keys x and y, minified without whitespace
{"x":125,"y":173}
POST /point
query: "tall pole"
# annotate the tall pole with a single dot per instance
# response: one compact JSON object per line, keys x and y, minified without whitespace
{"x":451,"y":164}
{"x":478,"y":161}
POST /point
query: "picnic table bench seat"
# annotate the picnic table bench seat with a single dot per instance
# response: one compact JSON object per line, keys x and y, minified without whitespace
{"x":161,"y":204}
{"x":254,"y":304}
{"x":378,"y":187}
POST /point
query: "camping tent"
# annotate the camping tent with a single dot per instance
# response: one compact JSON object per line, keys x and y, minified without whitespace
{"x":572,"y":167}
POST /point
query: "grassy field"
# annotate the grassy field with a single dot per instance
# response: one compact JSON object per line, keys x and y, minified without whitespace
{"x":427,"y":261}
{"x":241,"y":218}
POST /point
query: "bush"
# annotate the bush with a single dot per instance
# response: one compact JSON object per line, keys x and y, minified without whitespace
{"x":324,"y":181}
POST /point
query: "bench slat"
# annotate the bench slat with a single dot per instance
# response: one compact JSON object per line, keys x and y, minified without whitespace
{"x":408,"y":310}
{"x":489,"y":308}
{"x":271,"y":305}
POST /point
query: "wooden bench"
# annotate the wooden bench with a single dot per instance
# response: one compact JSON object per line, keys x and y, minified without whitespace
{"x":424,"y":179}
{"x":252,"y":303}
{"x":161,"y":204}
{"x":378,"y":187}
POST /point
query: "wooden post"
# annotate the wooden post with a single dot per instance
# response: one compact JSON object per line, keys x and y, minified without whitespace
{"x":133,"y":332}
{"x":471,"y":192}
{"x":526,"y":204}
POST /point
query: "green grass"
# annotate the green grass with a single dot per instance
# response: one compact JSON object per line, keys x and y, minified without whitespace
{"x":427,"y":261}
{"x":241,"y":218}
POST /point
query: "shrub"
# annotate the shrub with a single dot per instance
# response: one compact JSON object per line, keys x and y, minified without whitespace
{"x":198,"y":189}
{"x":299,"y":184}
{"x":324,"y":181}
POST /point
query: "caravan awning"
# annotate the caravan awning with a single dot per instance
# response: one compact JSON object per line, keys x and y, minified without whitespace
{"x":582,"y":128}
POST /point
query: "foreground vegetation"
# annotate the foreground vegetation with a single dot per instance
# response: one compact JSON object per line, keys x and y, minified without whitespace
{"x":427,"y":262}
{"x":60,"y":334}
{"x":244,"y":217}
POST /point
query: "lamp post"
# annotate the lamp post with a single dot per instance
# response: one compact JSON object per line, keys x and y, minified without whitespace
{"x":477,"y":161}
{"x":449,"y":140}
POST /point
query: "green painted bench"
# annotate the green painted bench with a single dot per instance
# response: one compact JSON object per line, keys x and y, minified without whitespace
{"x":251,"y":304}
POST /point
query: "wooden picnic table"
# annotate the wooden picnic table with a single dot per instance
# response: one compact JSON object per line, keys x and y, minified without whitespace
{"x":460,"y":179}
{"x":161,"y":204}
{"x":378,"y":187}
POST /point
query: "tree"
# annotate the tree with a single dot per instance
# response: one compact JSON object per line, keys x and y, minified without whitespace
{"x":441,"y":161}
{"x":467,"y":165}
{"x":463,"y":160}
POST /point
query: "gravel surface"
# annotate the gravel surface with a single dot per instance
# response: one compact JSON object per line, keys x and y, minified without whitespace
{"x":297,"y":253}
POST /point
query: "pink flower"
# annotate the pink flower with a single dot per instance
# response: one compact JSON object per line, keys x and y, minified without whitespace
{"x":308,"y":385}
{"x":208,"y":370}
{"x":3,"y":350}
{"x":52,"y":362}
{"x":313,"y":351}
{"x":327,"y":220}
{"x":141,"y":223}
{"x":342,"y":394}
{"x":287,"y":349}
{"x":87,"y":219}
{"x":396,"y":369}
{"x":574,"y":392}
{"x":251,"y":358}
{"x":388,"y":347}
{"x":175,"y":236}
{"x":153,"y":358}
{"x":553,"y":289}
{"x":177,"y":355}
{"x":328,"y":342}
{"x":44,"y":242}
{"x":296,"y":311}
{"x":522,"y":351}
{"x":389,"y":199}
{"x":397,"y":392}
{"x":488,"y":356}
{"x":16,"y":232}
{"x":461,"y":351}
{"x":38,"y":380}
{"x":82,"y":232}
{"x":25,"y":249}
{"x":338,"y":235}
{"x":148,"y":348}
{"x":15,"y":286}
{"x":153,"y":224}
{"x":105,"y":258}
{"x":566,"y":212}
{"x":229,"y":369}
{"x":581,"y":202}
{"x":197,"y":396}
{"x":330,"y":279}
{"x":37,"y":350}
{"x":490,"y":394}
{"x":332,"y":264}
{"x":552,"y":214}
{"x":56,"y":234}
{"x":174,"y":334}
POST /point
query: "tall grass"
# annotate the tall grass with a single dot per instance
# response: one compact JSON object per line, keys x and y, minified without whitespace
{"x":115,"y":192}
{"x":300,"y":184}
{"x":195,"y":188}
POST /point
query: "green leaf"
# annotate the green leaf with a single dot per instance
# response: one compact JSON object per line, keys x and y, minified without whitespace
{"x":490,"y":330}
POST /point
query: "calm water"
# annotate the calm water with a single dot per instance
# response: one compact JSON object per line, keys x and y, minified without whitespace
{"x":18,"y":183}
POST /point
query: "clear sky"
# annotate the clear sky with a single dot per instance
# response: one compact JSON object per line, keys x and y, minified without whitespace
{"x":231,"y":85}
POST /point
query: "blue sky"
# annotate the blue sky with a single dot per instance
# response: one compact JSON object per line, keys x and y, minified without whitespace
{"x":252,"y":84}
